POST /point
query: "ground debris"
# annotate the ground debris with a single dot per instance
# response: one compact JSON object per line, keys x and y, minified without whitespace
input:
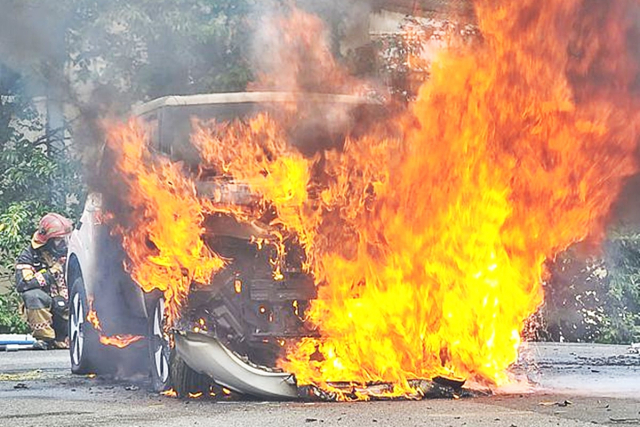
{"x":631,"y":358}
{"x":20,"y":386}
{"x":634,"y":421}
{"x":437,"y":388}
{"x":132,"y":388}
{"x":562,"y":403}
{"x":22,"y":376}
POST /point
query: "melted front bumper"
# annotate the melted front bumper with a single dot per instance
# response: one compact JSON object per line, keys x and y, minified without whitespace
{"x":208,"y":356}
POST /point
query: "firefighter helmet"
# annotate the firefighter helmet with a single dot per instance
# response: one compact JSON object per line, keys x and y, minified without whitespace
{"x":51,"y":225}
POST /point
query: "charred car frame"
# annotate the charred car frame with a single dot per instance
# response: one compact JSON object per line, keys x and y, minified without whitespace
{"x":232,"y":332}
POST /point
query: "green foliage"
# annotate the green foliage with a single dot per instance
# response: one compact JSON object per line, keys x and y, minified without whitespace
{"x":193,"y":46}
{"x":11,"y":322}
{"x":16,"y":223}
{"x":35,"y":177}
{"x":595,"y":298}
{"x":623,"y":265}
{"x":125,"y":49}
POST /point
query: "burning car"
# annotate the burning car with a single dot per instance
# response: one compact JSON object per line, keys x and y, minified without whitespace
{"x":232,"y":322}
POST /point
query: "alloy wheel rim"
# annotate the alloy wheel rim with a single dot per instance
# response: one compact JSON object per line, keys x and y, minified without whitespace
{"x":76,"y":330}
{"x":160,"y":357}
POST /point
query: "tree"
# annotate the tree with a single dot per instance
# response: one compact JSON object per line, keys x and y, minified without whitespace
{"x":125,"y":49}
{"x":623,"y":264}
{"x":35,"y":178}
{"x":595,"y":297}
{"x":193,"y":46}
{"x":76,"y":51}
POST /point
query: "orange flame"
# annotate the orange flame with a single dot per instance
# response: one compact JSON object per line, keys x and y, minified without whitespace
{"x":429,"y":247}
{"x":161,"y":231}
{"x":259,"y":155}
{"x":120,"y":341}
{"x":427,"y":238}
{"x":169,"y":393}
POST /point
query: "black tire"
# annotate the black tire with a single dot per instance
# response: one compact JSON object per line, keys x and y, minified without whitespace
{"x":159,"y":350}
{"x":84,"y":342}
{"x":186,"y":381}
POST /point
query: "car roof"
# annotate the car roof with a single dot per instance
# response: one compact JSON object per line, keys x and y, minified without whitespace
{"x":247,"y":98}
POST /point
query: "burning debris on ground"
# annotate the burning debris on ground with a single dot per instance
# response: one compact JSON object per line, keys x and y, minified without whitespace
{"x":328,"y":246}
{"x":437,"y":388}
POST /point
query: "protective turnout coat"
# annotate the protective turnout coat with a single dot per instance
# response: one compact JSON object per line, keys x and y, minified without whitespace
{"x":40,"y":269}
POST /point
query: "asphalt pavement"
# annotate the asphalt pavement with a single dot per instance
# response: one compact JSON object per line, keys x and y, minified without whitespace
{"x":574,"y":385}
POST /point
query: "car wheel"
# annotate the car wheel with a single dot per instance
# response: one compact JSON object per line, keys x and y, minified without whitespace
{"x":188,"y":383}
{"x":83,"y":340}
{"x":159,"y":349}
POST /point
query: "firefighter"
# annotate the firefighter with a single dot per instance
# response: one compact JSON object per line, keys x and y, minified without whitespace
{"x":41,"y":283}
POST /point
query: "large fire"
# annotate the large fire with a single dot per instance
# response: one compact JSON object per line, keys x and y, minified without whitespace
{"x":426,"y":237}
{"x":161,"y":226}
